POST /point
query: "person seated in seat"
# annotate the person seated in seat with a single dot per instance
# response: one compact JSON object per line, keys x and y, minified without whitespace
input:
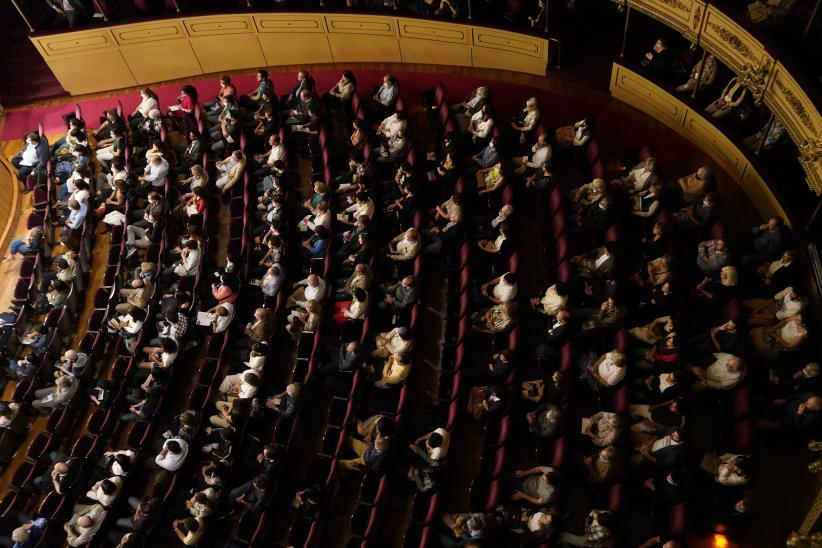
{"x":660,"y":60}
{"x":526,"y":121}
{"x":84,"y":524}
{"x":499,"y":318}
{"x":723,"y":374}
{"x":605,"y":371}
{"x":395,"y":370}
{"x":35,"y":155}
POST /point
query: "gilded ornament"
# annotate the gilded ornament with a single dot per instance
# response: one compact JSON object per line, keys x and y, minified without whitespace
{"x":796,"y":105}
{"x":754,"y":79}
{"x":676,"y":4}
{"x":734,"y":41}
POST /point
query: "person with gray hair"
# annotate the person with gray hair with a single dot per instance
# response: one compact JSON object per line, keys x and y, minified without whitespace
{"x":55,"y":396}
{"x":28,"y":534}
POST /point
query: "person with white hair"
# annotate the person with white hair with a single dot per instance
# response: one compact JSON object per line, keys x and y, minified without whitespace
{"x":405,"y":247}
{"x":526,"y":121}
{"x":545,"y":421}
{"x":724,"y":373}
{"x":73,"y":362}
{"x":155,"y":172}
{"x":287,"y":402}
{"x":27,"y":534}
{"x":54,"y":396}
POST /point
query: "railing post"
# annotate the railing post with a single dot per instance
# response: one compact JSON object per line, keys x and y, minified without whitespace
{"x":99,"y":9}
{"x":768,"y":127}
{"x":23,"y":15}
{"x":625,"y":32}
{"x":701,"y":72}
{"x":810,"y":21}
{"x":545,"y":9}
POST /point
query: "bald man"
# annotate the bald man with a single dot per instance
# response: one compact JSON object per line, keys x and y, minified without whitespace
{"x":73,"y":363}
{"x":83,"y":525}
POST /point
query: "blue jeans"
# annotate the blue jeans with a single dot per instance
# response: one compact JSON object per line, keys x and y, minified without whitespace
{"x":19,"y":246}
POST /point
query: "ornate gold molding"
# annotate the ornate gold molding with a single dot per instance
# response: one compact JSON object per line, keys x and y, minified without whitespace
{"x":795,"y":540}
{"x":697,"y":17}
{"x":733,"y":40}
{"x":676,"y":4}
{"x":796,"y":105}
{"x":755,"y":80}
{"x":810,"y":151}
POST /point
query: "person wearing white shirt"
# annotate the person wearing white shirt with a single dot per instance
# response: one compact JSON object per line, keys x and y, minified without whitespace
{"x":640,"y":178}
{"x":29,"y":155}
{"x":257,"y":358}
{"x":111,"y":456}
{"x":242,"y":385}
{"x":223,"y":315}
{"x":391,"y":126}
{"x":405,"y":247}
{"x":156,"y":171}
{"x":541,"y":154}
{"x":432,"y":447}
{"x":363,"y":206}
{"x":148,"y":102}
{"x":105,"y":491}
{"x":388,"y":93}
{"x":503,"y":289}
{"x":189,"y":260}
{"x":312,"y":288}
{"x":78,"y":214}
{"x":272,"y":280}
{"x":173,"y":454}
{"x":764,"y":312}
{"x":267,"y":159}
{"x":726,"y":372}
{"x":481,"y":125}
{"x":607,"y":371}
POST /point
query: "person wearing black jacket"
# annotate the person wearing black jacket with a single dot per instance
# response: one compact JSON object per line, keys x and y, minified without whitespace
{"x":62,"y":475}
{"x":253,"y":495}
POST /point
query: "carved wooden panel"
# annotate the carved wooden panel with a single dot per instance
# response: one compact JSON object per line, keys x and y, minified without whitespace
{"x":428,"y":52}
{"x":683,"y":15}
{"x":434,"y":31}
{"x":155,"y":31}
{"x":702,"y":133}
{"x":361,"y":24}
{"x":510,"y":42}
{"x":731,"y":43}
{"x":643,"y":95}
{"x":73,"y":43}
{"x":81,"y":73}
{"x":793,"y":106}
{"x":294,"y":49}
{"x":152,"y":61}
{"x":222,"y":52}
{"x":213,"y":25}
{"x":352,"y":48}
{"x":303,"y":23}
